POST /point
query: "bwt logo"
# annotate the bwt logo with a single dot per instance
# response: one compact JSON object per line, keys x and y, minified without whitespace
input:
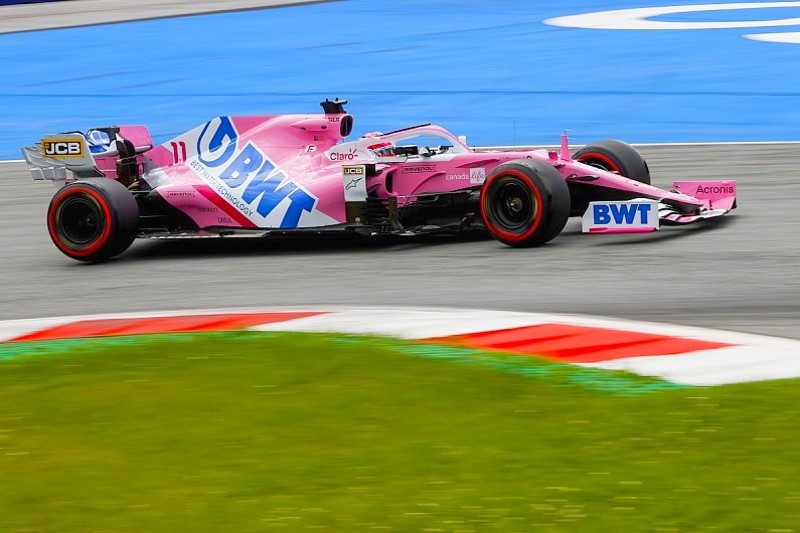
{"x":621,"y":213}
{"x":249,"y":173}
{"x":62,"y":148}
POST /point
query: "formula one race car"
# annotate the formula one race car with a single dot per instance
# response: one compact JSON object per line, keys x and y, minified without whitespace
{"x":294,"y":174}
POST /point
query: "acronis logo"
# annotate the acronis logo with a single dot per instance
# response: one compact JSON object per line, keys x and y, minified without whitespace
{"x":247,"y":176}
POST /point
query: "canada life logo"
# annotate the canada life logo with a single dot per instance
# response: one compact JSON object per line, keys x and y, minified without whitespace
{"x":477,"y":175}
{"x":641,"y":18}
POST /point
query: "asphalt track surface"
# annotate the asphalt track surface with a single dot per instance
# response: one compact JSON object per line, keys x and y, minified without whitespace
{"x":739,"y":273}
{"x":33,"y":17}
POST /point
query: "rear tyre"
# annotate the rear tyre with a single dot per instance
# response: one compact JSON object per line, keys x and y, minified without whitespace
{"x":525,"y":203}
{"x":93,"y":220}
{"x":615,"y":156}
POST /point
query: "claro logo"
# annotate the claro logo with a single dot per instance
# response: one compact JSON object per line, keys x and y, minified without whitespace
{"x":350,"y":155}
{"x":65,"y":148}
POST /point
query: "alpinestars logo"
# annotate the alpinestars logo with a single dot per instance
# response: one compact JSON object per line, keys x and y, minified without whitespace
{"x":352,"y":183}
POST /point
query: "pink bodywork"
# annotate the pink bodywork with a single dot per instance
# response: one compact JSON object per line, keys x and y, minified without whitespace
{"x":286,"y":171}
{"x":714,"y":194}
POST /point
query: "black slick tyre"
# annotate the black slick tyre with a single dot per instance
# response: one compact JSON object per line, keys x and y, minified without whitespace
{"x":525,"y":203}
{"x":93,"y":219}
{"x":615,"y":156}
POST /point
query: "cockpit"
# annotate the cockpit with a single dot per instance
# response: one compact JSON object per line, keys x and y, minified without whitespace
{"x":418,"y":141}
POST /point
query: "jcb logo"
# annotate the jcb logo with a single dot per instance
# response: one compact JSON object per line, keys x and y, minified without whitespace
{"x":62,"y":148}
{"x":357,"y":170}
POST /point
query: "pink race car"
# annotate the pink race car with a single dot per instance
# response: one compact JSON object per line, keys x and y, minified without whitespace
{"x":295,"y":174}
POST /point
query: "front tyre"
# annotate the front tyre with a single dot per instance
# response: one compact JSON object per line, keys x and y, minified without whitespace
{"x":615,"y":156}
{"x":93,"y":220}
{"x":525,"y":203}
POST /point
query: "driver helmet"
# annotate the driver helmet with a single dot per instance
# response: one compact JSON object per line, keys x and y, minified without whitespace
{"x":99,"y":141}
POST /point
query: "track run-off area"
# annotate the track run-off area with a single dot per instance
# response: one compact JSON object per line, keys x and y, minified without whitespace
{"x":413,"y":62}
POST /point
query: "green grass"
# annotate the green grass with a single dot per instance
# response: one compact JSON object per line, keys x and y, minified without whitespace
{"x":251,"y":432}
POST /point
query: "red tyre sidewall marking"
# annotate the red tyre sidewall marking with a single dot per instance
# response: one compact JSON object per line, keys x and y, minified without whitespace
{"x":507,"y":235}
{"x":100,"y":241}
{"x":607,"y":161}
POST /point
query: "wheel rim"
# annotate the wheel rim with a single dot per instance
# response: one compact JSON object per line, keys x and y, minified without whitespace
{"x":601,"y":166}
{"x":80,"y":220}
{"x":600,"y":161}
{"x":514,"y":207}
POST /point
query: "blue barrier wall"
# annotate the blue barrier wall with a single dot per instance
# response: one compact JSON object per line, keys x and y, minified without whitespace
{"x":495,"y":72}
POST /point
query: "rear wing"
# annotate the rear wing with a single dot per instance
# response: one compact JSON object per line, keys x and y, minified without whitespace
{"x":54,"y":155}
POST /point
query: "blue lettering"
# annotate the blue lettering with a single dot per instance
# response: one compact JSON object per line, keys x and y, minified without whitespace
{"x":301,"y":201}
{"x":272,"y":193}
{"x":269,"y":189}
{"x":601,"y":214}
{"x":224,"y":136}
{"x":624,"y":213}
{"x":265,"y":185}
{"x":644,"y":212}
{"x":247,"y":162}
